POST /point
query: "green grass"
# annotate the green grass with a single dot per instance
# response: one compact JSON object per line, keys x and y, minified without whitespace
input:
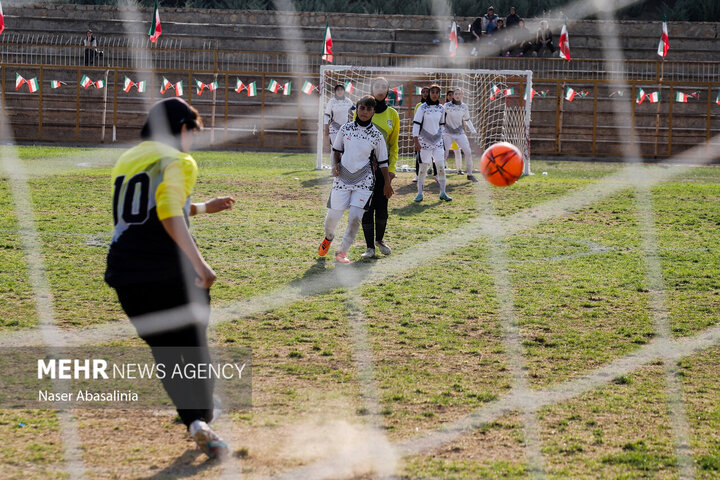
{"x":580,"y":296}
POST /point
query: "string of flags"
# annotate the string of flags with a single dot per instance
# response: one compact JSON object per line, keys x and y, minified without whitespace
{"x":128,"y":84}
{"x":167,"y":85}
{"x":86,"y":82}
{"x":20,"y":81}
{"x":202,"y":86}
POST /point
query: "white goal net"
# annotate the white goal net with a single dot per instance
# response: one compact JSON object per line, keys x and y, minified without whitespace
{"x":499,"y":102}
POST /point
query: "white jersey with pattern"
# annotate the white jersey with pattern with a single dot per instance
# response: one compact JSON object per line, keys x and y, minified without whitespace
{"x":337,"y":113}
{"x":428,"y":125}
{"x":358,"y":145}
{"x":455,"y":115}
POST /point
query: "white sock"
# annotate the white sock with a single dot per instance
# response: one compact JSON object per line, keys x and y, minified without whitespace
{"x":441,"y":179}
{"x":421,"y":177}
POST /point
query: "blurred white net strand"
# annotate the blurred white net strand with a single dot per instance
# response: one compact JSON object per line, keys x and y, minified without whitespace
{"x":489,"y":226}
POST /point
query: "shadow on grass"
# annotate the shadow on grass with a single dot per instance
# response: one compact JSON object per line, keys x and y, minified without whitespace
{"x":415,"y":208}
{"x":182,"y":467}
{"x":319,"y":279}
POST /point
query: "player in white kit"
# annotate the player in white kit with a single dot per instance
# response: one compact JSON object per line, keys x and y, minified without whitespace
{"x":358,"y":150}
{"x":428,"y":139}
{"x":457,"y":114}
{"x":337,"y":113}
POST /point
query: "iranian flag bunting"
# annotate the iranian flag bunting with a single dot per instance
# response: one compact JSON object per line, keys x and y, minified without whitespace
{"x":349,"y":87}
{"x":564,"y":43}
{"x":453,"y":38}
{"x":694,"y":94}
{"x":155,"y":28}
{"x":418,"y":90}
{"x":33,"y":85}
{"x":85,"y":81}
{"x":141,"y":86}
{"x":509,"y":92}
{"x":619,"y":93}
{"x":19,"y":80}
{"x":212,"y":86}
{"x":100,"y":84}
{"x":178,"y":89}
{"x":327,"y":45}
{"x":654,"y":97}
{"x":664,"y":45}
{"x":681,"y":97}
{"x":273,"y":86}
{"x":252,"y":90}
{"x":308,"y":88}
{"x":165,"y":85}
{"x":56,"y":83}
{"x":239,"y":86}
{"x":127,"y":85}
{"x":398,"y":93}
{"x":286,"y":88}
{"x":640,"y":96}
{"x":717,"y":99}
{"x":2,"y":20}
{"x":570,"y":94}
{"x":200,"y":87}
{"x":494,"y":91}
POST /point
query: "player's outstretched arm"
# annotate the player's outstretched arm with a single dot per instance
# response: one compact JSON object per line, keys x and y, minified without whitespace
{"x":217,"y":204}
{"x":178,"y":231}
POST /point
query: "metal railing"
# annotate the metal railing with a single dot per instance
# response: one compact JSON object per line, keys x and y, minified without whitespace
{"x":139,"y":53}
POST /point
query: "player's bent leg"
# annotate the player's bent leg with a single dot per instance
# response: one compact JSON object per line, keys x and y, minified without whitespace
{"x":332,"y":218}
{"x":464,"y":145}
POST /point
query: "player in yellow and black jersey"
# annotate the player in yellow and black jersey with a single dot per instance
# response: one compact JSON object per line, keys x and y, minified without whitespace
{"x":155,"y":266}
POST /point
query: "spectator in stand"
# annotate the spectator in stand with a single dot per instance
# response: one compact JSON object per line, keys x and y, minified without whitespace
{"x":513,"y":19}
{"x":489,"y":21}
{"x":502,"y":38}
{"x":543,"y":39}
{"x":90,"y":44}
{"x":476,"y":29}
{"x":521,"y":40}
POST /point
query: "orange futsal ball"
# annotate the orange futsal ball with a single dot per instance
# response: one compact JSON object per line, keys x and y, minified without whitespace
{"x":502,"y":164}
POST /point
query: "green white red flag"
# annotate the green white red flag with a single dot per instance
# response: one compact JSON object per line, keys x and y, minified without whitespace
{"x":212,"y":86}
{"x":349,"y":87}
{"x":509,"y":92}
{"x":640,"y":96}
{"x":85,"y":81}
{"x":200,"y":87}
{"x":653,"y":97}
{"x":308,"y":88}
{"x":453,"y":38}
{"x":664,"y":45}
{"x":56,"y":83}
{"x":155,"y":27}
{"x":19,"y":80}
{"x":140,"y":86}
{"x":127,"y":85}
{"x":100,"y":84}
{"x":273,"y":86}
{"x":398,"y":93}
{"x":717,"y":99}
{"x":418,"y":90}
{"x":570,"y":94}
{"x":178,"y":89}
{"x":2,"y":19}
{"x":239,"y":86}
{"x":33,"y":85}
{"x":564,"y":43}
{"x":327,"y":45}
{"x":681,"y":97}
{"x":286,"y":88}
{"x":252,"y":89}
{"x":494,"y":90}
{"x":165,"y":85}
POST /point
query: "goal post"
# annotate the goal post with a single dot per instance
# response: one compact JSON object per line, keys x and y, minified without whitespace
{"x":499,"y":102}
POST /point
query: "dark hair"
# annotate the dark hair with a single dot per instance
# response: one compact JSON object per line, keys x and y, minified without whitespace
{"x":167,"y":117}
{"x":435,"y":85}
{"x":338,"y":87}
{"x":368,"y":101}
{"x":424,"y":88}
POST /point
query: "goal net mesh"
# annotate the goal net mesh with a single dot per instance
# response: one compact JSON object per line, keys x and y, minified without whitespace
{"x":496,"y":99}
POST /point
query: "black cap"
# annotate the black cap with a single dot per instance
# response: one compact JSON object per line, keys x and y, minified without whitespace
{"x":168,"y":116}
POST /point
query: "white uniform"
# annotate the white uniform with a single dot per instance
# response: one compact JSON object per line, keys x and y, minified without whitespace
{"x":337,"y":114}
{"x":428,"y":127}
{"x":455,"y":116}
{"x":354,"y":186}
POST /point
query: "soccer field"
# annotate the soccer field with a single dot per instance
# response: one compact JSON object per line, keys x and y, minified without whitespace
{"x":567,"y":323}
